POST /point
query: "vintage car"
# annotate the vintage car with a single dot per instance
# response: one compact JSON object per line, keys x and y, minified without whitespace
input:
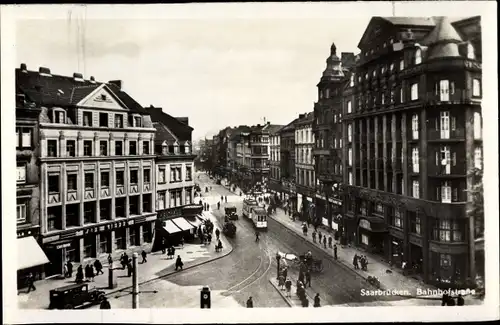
{"x":231,"y":213}
{"x":229,"y":229}
{"x":75,"y":295}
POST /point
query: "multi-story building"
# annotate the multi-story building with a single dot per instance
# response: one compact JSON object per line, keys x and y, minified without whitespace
{"x":174,"y":176}
{"x":412,"y":131}
{"x":223,"y":152}
{"x":260,"y":145}
{"x":215,"y":155}
{"x":274,"y":184}
{"x":287,"y":166}
{"x":305,"y":179}
{"x":327,"y":132}
{"x":27,"y":183}
{"x":96,"y":167}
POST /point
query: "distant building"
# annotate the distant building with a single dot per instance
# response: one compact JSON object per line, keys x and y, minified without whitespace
{"x":287,"y":166}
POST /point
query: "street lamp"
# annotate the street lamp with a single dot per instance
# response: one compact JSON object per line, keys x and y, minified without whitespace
{"x":278,"y":258}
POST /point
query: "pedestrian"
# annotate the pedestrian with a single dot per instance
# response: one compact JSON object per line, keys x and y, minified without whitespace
{"x":288,"y":287}
{"x":257,"y":236}
{"x":460,"y":300}
{"x":305,"y":302}
{"x":226,"y":198}
{"x":218,"y":205}
{"x":317,"y":301}
{"x":30,"y":281}
{"x":314,"y":236}
{"x":178,"y":263}
{"x":209,"y":237}
{"x":285,"y":272}
{"x":281,"y":281}
{"x":324,"y":241}
{"x":364,"y":263}
{"x":301,"y":276}
{"x":144,"y":255}
{"x":308,"y":279}
{"x":129,"y":268}
{"x":451,"y":302}
{"x":172,"y":252}
{"x":355,"y":261}
{"x":87,"y":272}
{"x":98,"y":267}
{"x":319,"y":236}
{"x":70,"y":269}
{"x":66,"y":273}
{"x":91,"y":272}
{"x":105,"y":304}
{"x":330,"y":241}
{"x":182,"y":241}
{"x":217,"y":233}
{"x":79,"y":274}
{"x":125,"y":259}
{"x":222,"y":198}
{"x":335,"y":251}
{"x":110,"y":259}
{"x":250,"y":303}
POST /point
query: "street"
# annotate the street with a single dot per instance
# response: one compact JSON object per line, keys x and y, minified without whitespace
{"x":247,"y":270}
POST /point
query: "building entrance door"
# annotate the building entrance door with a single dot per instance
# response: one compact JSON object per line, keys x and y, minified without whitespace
{"x":55,"y":266}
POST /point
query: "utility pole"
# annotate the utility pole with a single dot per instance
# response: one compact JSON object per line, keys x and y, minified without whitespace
{"x":135,"y":283}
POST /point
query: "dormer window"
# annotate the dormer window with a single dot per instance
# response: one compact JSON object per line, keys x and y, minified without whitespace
{"x":137,"y":121}
{"x":59,"y":116}
{"x":176,"y":148}
{"x":187,"y":147}
{"x":164,"y":148}
{"x":470,"y":51}
{"x":418,"y":56}
{"x":103,"y":97}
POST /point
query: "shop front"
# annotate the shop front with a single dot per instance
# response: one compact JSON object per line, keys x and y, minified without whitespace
{"x":30,"y":259}
{"x":448,"y":266}
{"x":96,"y":242}
{"x":371,"y":233}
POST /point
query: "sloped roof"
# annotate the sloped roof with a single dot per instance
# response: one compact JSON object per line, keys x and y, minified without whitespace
{"x":290,"y":126}
{"x":410,"y":21}
{"x":443,"y":31}
{"x":274,"y":128}
{"x":307,"y":118}
{"x":65,"y":91}
{"x":180,"y":130}
{"x":236,"y":134}
{"x":163,"y":134}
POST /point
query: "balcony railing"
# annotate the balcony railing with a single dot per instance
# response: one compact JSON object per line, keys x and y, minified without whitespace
{"x":460,"y":96}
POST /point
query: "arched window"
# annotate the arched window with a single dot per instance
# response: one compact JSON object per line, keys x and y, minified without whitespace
{"x":418,"y":56}
{"x":470,"y":51}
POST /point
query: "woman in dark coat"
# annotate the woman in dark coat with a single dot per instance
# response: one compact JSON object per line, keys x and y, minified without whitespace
{"x":79,"y":274}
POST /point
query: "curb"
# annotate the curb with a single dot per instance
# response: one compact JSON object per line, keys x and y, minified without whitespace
{"x":229,"y":251}
{"x":289,"y":303}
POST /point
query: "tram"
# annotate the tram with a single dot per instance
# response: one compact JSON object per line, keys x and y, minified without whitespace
{"x":248,"y":204}
{"x":259,"y":218}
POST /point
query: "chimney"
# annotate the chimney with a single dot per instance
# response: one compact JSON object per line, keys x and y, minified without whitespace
{"x":78,"y":77}
{"x":24,"y":68}
{"x":268,"y":123}
{"x":44,"y":71}
{"x":92,"y":79}
{"x":301,"y":116}
{"x":117,"y":83}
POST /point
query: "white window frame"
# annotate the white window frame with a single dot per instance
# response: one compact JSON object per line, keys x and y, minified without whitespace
{"x":349,"y":156}
{"x":414,"y":91}
{"x":476,"y":87}
{"x":415,"y":158}
{"x":351,"y":83}
{"x":21,"y":210}
{"x":401,"y":65}
{"x":382,"y":99}
{"x":349,"y":106}
{"x":415,"y":189}
{"x":445,"y":158}
{"x":470,"y":51}
{"x":21,"y":174}
{"x":444,"y":119}
{"x":349,"y":132}
{"x":25,"y":138}
{"x":478,"y":129}
{"x":350,"y":178}
{"x":446,"y":192}
{"x":444,"y":90}
{"x":414,"y":126}
{"x":418,"y":56}
{"x":478,"y":157}
{"x":401,"y":95}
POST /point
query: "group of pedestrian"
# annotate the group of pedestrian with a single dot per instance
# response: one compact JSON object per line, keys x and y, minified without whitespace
{"x":448,"y":300}
{"x":360,"y":260}
{"x":170,"y":252}
{"x":223,"y":198}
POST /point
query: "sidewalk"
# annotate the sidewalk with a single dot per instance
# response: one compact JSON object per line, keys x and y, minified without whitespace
{"x":393,"y":280}
{"x":157,"y":266}
{"x":294,"y":300}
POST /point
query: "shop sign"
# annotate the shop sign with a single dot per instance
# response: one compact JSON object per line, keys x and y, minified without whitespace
{"x":363,"y":223}
{"x":50,"y":239}
{"x":65,"y":245}
{"x":107,"y":227}
{"x":165,"y":214}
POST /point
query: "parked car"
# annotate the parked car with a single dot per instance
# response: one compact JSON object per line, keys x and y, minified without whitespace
{"x":75,"y":295}
{"x":231,"y":213}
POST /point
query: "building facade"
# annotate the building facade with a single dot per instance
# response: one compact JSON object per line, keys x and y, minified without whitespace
{"x":96,"y":168}
{"x":287,"y":167}
{"x":412,"y":132}
{"x":174,"y":177}
{"x":305,"y":178}
{"x":328,"y":141}
{"x":27,"y":182}
{"x":274,"y":162}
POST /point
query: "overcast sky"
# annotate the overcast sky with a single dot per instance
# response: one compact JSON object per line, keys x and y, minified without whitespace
{"x":217,"y":72}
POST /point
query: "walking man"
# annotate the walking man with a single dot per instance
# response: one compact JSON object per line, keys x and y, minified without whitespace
{"x":250,"y":303}
{"x":355,"y":262}
{"x":308,"y":279}
{"x":217,"y":233}
{"x":218,"y":205}
{"x":178,"y":263}
{"x":30,"y":280}
{"x":98,"y":267}
{"x":110,"y":259}
{"x":314,"y":236}
{"x":330,"y":241}
{"x":70,"y":269}
{"x":288,"y":287}
{"x":319,"y":236}
{"x":144,"y":255}
{"x":257,"y":236}
{"x":226,"y":198}
{"x":335,"y":251}
{"x":317,"y":301}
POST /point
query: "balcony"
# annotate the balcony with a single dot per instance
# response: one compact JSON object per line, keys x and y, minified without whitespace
{"x":454,"y":135}
{"x":460,"y":96}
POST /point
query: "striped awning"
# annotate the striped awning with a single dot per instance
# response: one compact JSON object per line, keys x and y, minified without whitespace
{"x":29,"y":253}
{"x":170,"y":227}
{"x":183,"y":224}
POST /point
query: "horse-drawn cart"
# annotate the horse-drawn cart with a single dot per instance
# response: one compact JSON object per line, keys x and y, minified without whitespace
{"x":306,"y":261}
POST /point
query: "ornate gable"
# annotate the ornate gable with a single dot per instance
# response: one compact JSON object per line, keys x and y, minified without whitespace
{"x":102,"y":97}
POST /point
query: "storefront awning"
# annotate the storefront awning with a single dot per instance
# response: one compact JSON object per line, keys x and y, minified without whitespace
{"x":170,"y":227}
{"x":29,"y":253}
{"x":194,"y":220}
{"x":182,"y":223}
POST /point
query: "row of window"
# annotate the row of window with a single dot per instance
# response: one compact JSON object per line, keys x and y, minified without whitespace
{"x":24,"y":137}
{"x":304,"y":155}
{"x":175,"y":174}
{"x":304,"y":136}
{"x":72,"y":179}
{"x":104,"y":148}
{"x":305,"y":177}
{"x":443,"y":124}
{"x":175,"y":198}
{"x":443,"y":89}
{"x":59,"y":117}
{"x":275,"y":140}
